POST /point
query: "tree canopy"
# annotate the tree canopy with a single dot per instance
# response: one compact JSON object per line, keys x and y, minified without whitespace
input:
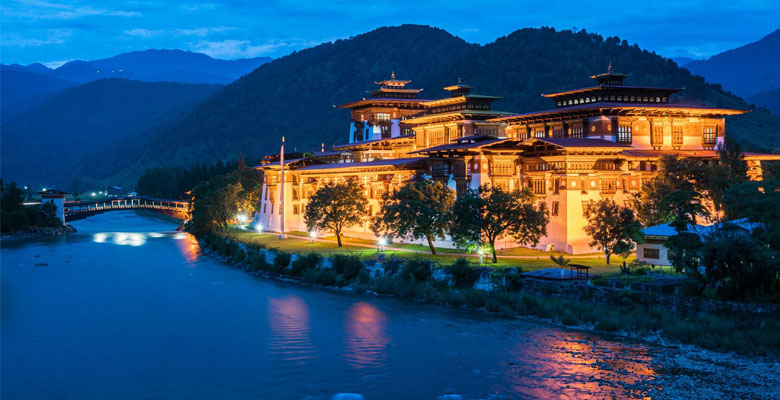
{"x":336,"y":206}
{"x":421,"y":210}
{"x":614,"y":228}
{"x":490,"y":213}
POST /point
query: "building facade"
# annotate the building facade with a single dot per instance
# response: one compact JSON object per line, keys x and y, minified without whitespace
{"x":602,"y":141}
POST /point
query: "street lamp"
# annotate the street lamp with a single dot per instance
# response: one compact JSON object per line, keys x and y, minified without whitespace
{"x":312,"y":235}
{"x":481,"y":252}
{"x":242,"y":218}
{"x":259,"y":228}
{"x":382,"y":242}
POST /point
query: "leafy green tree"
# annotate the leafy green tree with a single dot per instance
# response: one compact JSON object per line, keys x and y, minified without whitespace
{"x":421,"y":209}
{"x":336,"y":206}
{"x":490,"y":213}
{"x":614,"y":228}
{"x":654,"y":204}
{"x":730,"y":169}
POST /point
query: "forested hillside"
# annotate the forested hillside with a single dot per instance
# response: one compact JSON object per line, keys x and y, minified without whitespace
{"x":43,"y":144}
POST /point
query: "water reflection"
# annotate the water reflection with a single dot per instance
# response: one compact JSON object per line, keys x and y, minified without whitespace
{"x":290,"y":323}
{"x":366,"y":339}
{"x":576,"y":367}
{"x":188,"y":246}
{"x":134,"y":239}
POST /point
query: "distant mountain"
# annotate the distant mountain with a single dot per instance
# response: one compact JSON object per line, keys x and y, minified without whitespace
{"x":26,"y":86}
{"x":293,"y":95}
{"x":22,"y":88}
{"x":746,"y":70}
{"x":681,"y":61}
{"x":43,"y":144}
{"x":769,"y":99}
{"x":154,"y":66}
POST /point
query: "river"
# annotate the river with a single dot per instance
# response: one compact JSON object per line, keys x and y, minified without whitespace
{"x":128,"y":308}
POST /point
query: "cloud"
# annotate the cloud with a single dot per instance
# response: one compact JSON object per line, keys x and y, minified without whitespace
{"x":203,"y":31}
{"x":52,"y":36}
{"x":42,"y":10}
{"x":230,"y":49}
{"x":145,"y":33}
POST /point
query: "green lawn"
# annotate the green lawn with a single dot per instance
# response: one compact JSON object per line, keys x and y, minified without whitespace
{"x":358,"y":247}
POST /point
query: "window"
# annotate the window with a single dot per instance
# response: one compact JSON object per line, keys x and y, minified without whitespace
{"x":383,"y":116}
{"x":558,"y":131}
{"x":461,"y":188}
{"x":539,"y":132}
{"x":539,"y":186}
{"x":576,"y":132}
{"x":608,"y":186}
{"x":295,"y":194}
{"x":585,"y":204}
{"x":555,"y":206}
{"x":657,"y":139}
{"x":652,"y":253}
{"x":624,"y":134}
{"x":708,"y":136}
{"x":677,"y":136}
{"x":295,"y":209}
{"x":556,"y":185}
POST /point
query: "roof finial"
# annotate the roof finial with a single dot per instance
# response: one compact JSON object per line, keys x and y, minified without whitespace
{"x":323,"y":147}
{"x":459,"y":82}
{"x":609,"y":67}
{"x":392,"y":75}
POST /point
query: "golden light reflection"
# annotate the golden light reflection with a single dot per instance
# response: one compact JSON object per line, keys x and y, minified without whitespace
{"x":290,"y":322}
{"x":120,"y":238}
{"x":188,"y":246}
{"x":366,"y":339}
{"x":573,"y":366}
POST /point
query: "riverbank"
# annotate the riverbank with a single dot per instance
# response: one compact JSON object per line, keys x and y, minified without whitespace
{"x":37,"y":231}
{"x":422,"y":281}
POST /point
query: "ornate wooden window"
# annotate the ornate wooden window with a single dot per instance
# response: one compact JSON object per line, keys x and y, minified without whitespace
{"x":461,"y":187}
{"x":554,"y":211}
{"x":708,"y":136}
{"x":539,"y":132}
{"x":624,"y":134}
{"x":677,"y":136}
{"x":383,"y":117}
{"x":539,"y":186}
{"x":557,"y":131}
{"x":657,"y":139}
{"x":608,"y":186}
{"x":577,"y":132}
{"x":296,"y":210}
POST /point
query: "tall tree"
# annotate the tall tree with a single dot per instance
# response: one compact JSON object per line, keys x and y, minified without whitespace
{"x":653,"y":202}
{"x":490,"y":213}
{"x":613,"y":228}
{"x":730,"y":169}
{"x":336,"y":206}
{"x":419,"y":210}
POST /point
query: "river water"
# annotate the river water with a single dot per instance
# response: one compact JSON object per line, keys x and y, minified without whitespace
{"x":127,"y":308}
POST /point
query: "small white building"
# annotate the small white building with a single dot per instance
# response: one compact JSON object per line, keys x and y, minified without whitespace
{"x":654,"y":251}
{"x":58,"y":198}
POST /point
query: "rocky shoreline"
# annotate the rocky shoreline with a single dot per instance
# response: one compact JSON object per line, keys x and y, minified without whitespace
{"x":38,"y":231}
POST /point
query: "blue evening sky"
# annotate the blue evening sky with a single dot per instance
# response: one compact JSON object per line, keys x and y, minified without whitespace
{"x":53,"y":31}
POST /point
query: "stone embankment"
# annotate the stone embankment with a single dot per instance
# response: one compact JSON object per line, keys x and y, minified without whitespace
{"x":40,"y":231}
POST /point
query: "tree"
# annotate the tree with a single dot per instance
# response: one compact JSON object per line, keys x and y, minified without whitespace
{"x":422,"y":209}
{"x":490,"y":213}
{"x":730,"y":169}
{"x":614,"y":228}
{"x":654,"y":204}
{"x":336,"y":206}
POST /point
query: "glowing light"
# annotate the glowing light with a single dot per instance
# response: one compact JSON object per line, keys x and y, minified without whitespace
{"x":93,"y":194}
{"x":313,"y":234}
{"x":259,"y":228}
{"x":99,"y":238}
{"x":242,"y":218}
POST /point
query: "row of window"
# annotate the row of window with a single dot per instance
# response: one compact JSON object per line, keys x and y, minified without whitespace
{"x":630,"y":99}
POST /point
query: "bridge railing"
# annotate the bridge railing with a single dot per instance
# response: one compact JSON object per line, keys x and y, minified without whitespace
{"x":76,"y":207}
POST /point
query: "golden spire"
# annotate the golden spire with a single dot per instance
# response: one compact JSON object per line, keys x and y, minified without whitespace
{"x":609,"y":67}
{"x":392,"y":75}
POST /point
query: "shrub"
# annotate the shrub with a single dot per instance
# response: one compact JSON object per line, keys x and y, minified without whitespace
{"x":417,"y":270}
{"x":325,"y":277}
{"x":281,"y":261}
{"x":464,"y":275}
{"x":258,"y":262}
{"x":347,"y":266}
{"x":474,"y":298}
{"x":305,"y":262}
{"x":569,"y":318}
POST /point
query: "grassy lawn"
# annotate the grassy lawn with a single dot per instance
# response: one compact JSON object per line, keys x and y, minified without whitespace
{"x":358,"y":247}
